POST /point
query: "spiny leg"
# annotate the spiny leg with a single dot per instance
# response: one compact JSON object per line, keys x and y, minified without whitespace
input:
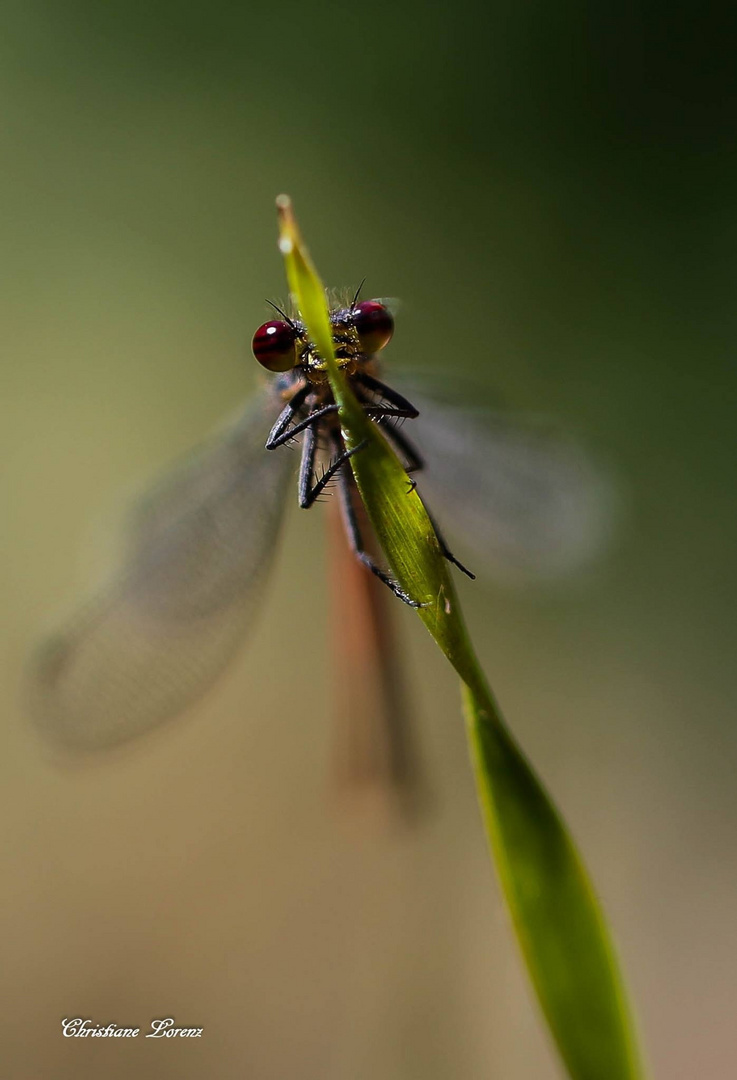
{"x":301,"y":426}
{"x":285,"y":417}
{"x":404,"y":407}
{"x":281,"y":433}
{"x":414,"y":463}
{"x":345,"y":487}
{"x":307,"y":465}
{"x":381,"y":412}
{"x":445,"y":550}
{"x":309,"y":492}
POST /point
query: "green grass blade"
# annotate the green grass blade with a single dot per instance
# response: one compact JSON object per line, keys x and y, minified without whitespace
{"x":560,"y":926}
{"x":558,"y":920}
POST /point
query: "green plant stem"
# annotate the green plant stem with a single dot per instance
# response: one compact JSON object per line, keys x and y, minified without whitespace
{"x":556,"y":915}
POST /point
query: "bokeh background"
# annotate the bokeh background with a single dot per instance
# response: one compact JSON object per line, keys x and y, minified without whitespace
{"x":551,"y":190}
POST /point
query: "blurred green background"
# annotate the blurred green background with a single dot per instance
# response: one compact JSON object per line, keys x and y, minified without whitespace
{"x":550,"y":188}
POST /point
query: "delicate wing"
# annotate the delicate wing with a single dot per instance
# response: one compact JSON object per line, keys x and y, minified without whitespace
{"x":528,"y":501}
{"x":390,"y":302}
{"x":169,"y":620}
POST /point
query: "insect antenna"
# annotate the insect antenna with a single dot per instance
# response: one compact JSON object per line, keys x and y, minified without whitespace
{"x":354,"y":301}
{"x":283,"y":313}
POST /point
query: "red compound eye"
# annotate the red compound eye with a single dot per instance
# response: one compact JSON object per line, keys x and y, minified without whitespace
{"x":274,"y":345}
{"x":374,"y":325}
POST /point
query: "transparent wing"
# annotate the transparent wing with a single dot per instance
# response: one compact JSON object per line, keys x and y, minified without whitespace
{"x":390,"y":302}
{"x":167,"y":623}
{"x":524,"y":500}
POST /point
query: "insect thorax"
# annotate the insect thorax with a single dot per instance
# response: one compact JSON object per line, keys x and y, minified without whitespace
{"x":347,"y":351}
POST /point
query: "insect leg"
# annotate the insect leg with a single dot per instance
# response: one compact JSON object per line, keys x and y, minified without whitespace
{"x":285,"y":417}
{"x":307,"y":465}
{"x":354,"y":538}
{"x":445,"y":550}
{"x":380,"y":412}
{"x":413,"y":461}
{"x":405,"y":407}
{"x":301,"y":426}
{"x":307,"y":493}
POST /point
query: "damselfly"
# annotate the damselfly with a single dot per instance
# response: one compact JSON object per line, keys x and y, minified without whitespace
{"x":201,"y":540}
